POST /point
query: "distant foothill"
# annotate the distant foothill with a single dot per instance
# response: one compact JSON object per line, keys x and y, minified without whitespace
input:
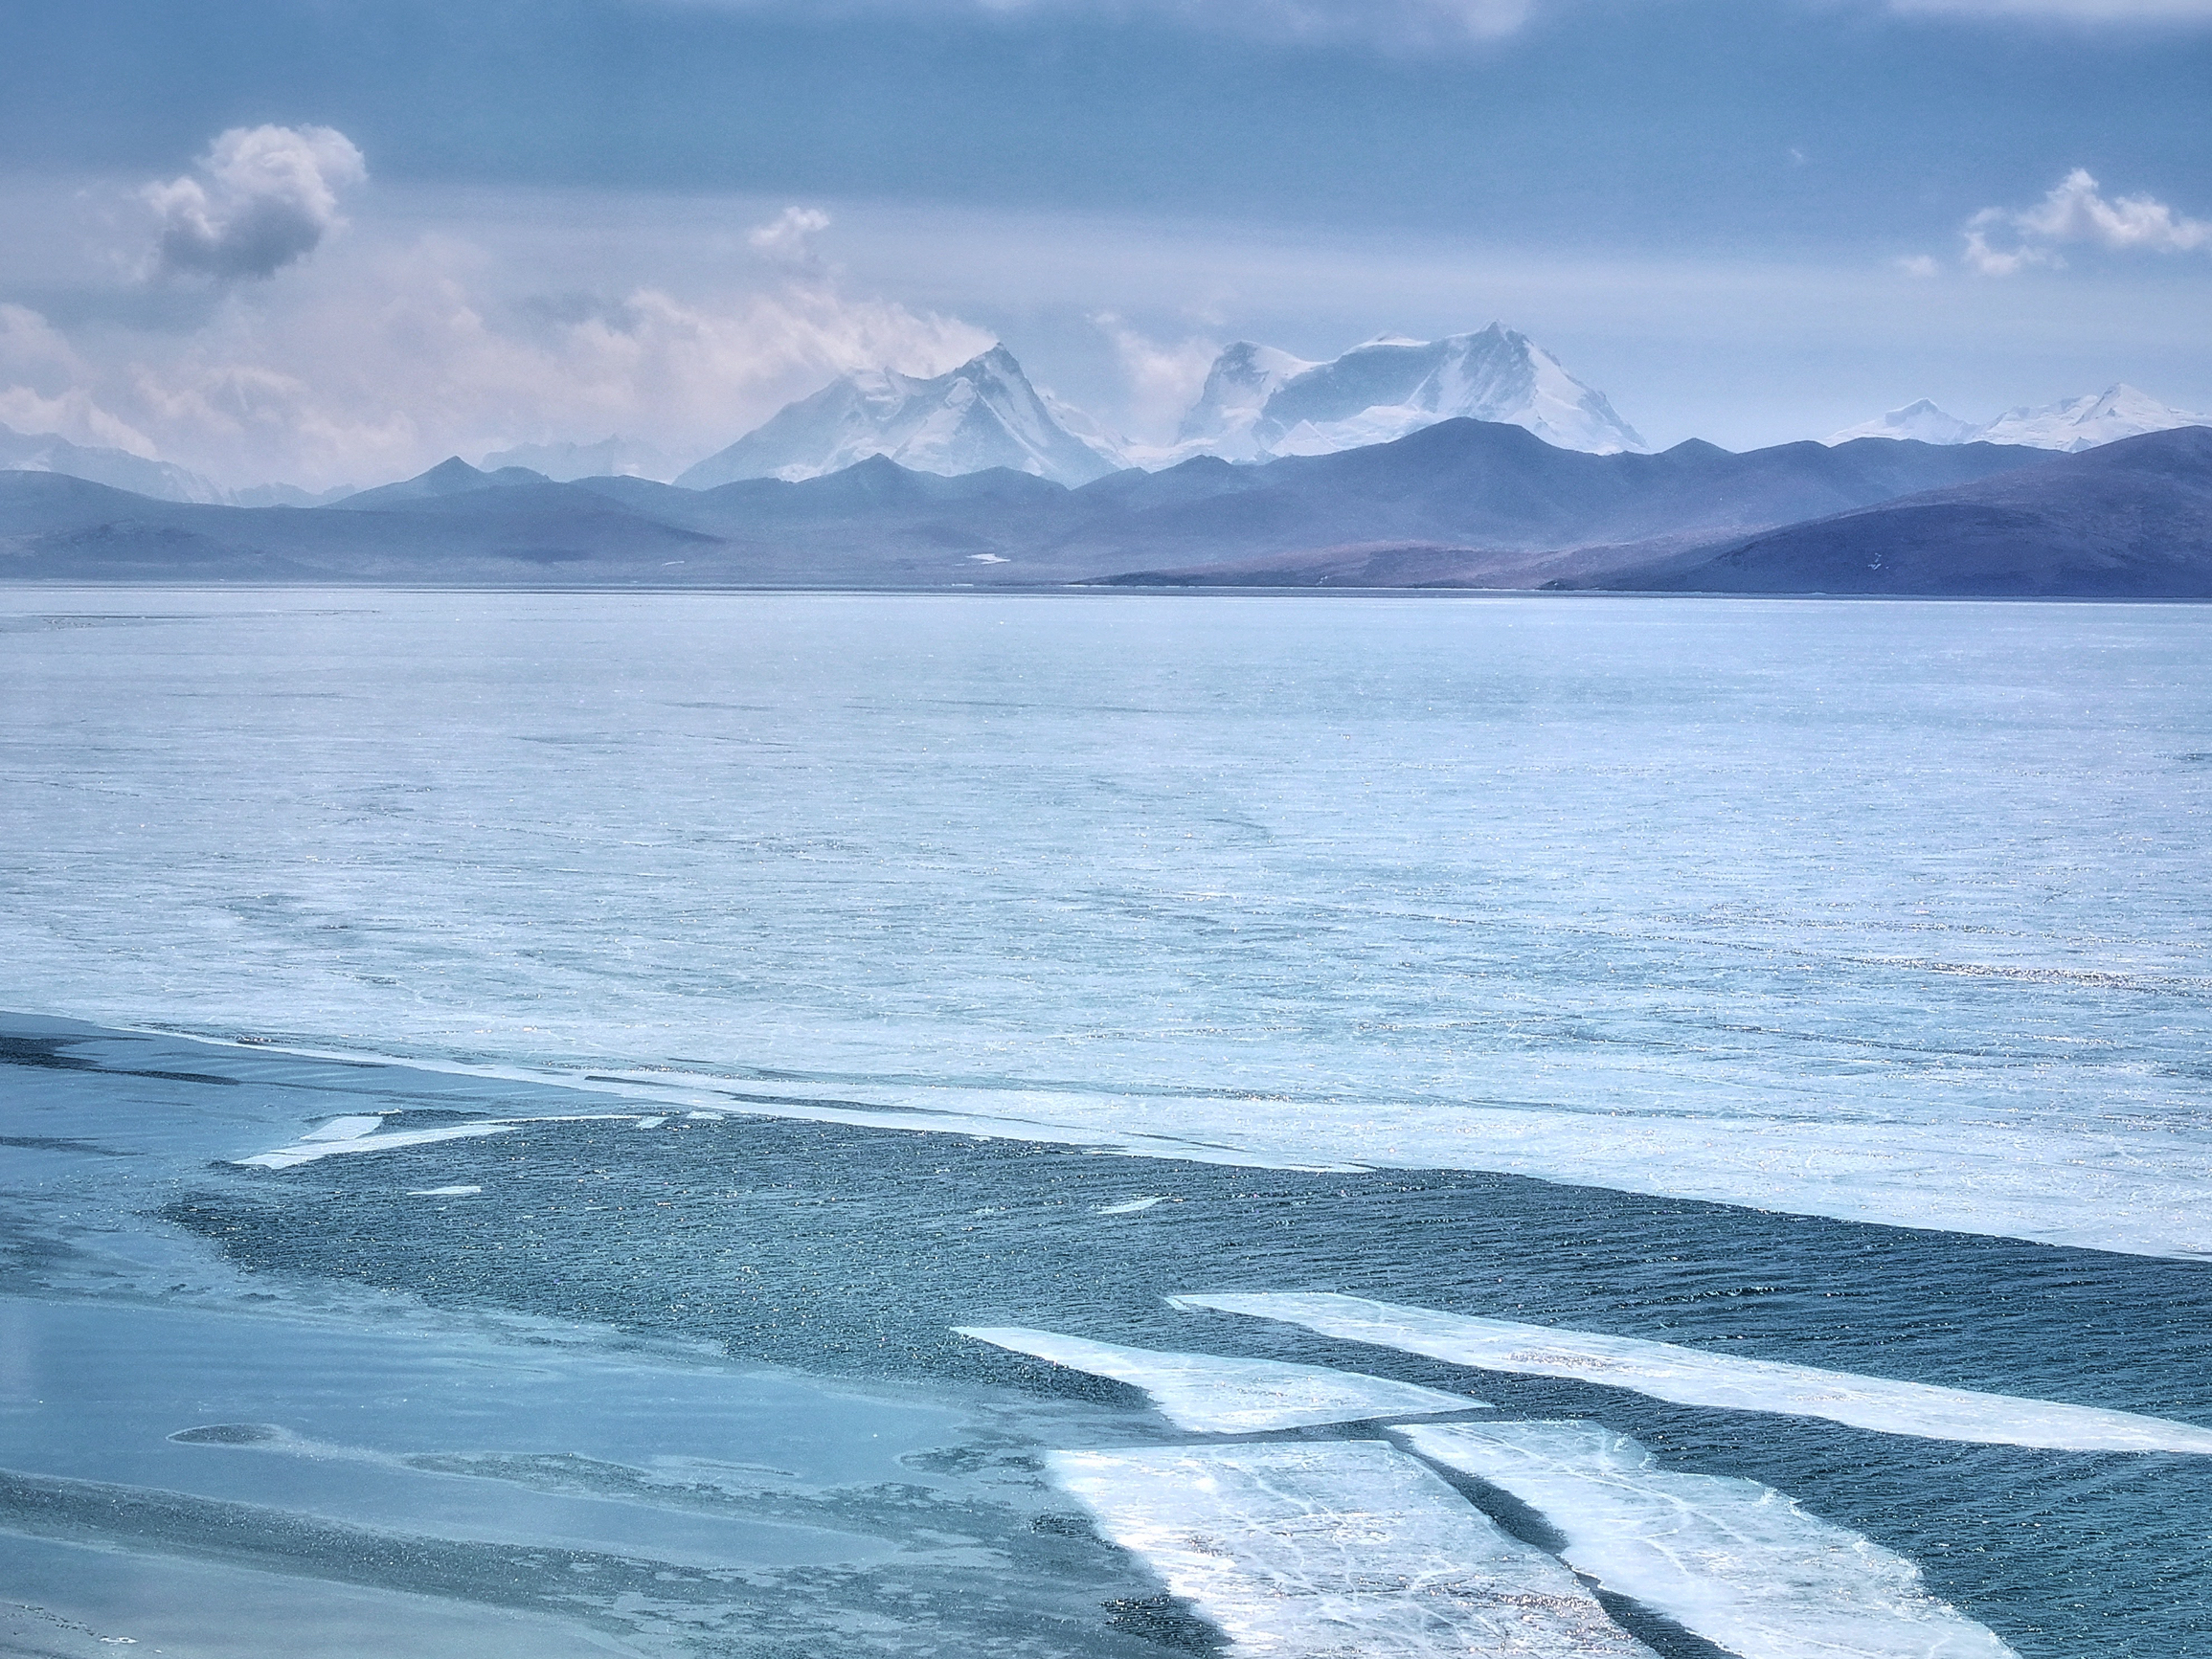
{"x":1475,"y":461}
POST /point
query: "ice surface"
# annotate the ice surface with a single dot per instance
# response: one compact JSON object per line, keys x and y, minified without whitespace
{"x":1733,"y":1561}
{"x":1692,"y":1377}
{"x":1217,"y":1393}
{"x":345,"y":1129}
{"x":308,"y":1149}
{"x":1709,"y":899}
{"x":1347,"y":1549}
{"x":323,"y":1143}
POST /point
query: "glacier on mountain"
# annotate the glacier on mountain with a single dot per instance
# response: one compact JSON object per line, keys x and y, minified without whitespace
{"x":1259,"y":403}
{"x":1921,"y":422}
{"x":2075,"y":424}
{"x":116,"y":468}
{"x":982,"y":414}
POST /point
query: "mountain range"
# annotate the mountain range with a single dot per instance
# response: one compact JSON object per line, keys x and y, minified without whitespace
{"x":982,"y":414}
{"x":1257,"y":404}
{"x":1459,"y":504}
{"x":2074,"y":425}
{"x":119,"y":469}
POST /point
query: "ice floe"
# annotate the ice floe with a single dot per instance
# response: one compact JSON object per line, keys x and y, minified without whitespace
{"x":1736,"y":1562}
{"x":307,"y":1151}
{"x":1691,"y":1376}
{"x":1216,"y":1394}
{"x":1349,"y":1549}
{"x":444,"y":1192}
{"x":361,"y":1137}
{"x":1127,"y":1208}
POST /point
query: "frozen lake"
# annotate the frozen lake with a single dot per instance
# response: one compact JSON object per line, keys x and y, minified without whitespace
{"x":791,"y":979}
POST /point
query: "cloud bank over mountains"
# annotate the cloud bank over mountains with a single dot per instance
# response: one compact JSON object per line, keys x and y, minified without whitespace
{"x":275,"y":313}
{"x":342,"y":370}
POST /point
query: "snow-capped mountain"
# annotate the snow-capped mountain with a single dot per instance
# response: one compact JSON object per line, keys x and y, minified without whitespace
{"x":1259,"y":402}
{"x":2078,"y":423}
{"x":2085,"y":422}
{"x":116,"y":468}
{"x":982,"y":415}
{"x":163,"y":480}
{"x":1922,"y":421}
{"x":1237,"y":388}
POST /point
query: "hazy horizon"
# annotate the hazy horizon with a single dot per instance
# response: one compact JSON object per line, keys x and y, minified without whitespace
{"x":336,"y":247}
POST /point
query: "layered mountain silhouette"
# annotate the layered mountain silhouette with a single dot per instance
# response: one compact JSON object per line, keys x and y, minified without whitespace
{"x":2126,"y":519}
{"x":119,"y":469}
{"x":1459,"y":503}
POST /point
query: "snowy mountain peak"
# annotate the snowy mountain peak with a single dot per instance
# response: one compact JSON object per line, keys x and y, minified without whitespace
{"x":2085,"y":422}
{"x":1237,"y":388}
{"x":116,"y":468}
{"x":1922,"y":421}
{"x":2077,"y":423}
{"x":1259,"y":403}
{"x":984,"y":414}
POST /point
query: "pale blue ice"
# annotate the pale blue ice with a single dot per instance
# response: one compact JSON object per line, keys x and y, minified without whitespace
{"x":1883,"y":911}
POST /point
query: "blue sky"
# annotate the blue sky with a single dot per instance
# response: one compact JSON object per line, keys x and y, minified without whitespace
{"x":1744,"y":219}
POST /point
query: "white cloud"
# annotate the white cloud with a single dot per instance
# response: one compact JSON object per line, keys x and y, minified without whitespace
{"x":44,"y":387}
{"x":788,"y":238}
{"x":2002,"y":241}
{"x":260,"y":198}
{"x":1917,"y":265}
{"x":380,"y":364}
{"x":1163,"y":380}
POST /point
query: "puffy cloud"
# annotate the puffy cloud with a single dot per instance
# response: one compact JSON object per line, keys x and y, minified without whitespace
{"x":790,"y":234}
{"x":1164,"y":379}
{"x":2002,"y":241}
{"x":260,"y":198}
{"x":380,"y":364}
{"x":45,"y":388}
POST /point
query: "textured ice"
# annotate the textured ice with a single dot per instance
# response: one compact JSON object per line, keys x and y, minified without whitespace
{"x":1710,"y":899}
{"x":1735,"y":1561}
{"x":1347,"y":1549}
{"x":1691,"y":1376}
{"x":1217,"y":1393}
